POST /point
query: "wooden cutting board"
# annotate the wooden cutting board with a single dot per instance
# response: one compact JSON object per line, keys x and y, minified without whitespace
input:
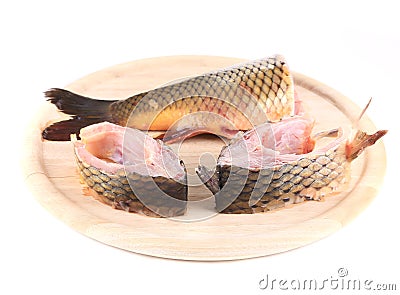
{"x":51,"y":175}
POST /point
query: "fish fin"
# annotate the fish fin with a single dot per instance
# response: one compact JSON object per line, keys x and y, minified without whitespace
{"x":172,"y":136}
{"x":356,"y":124}
{"x":84,"y":110}
{"x":361,"y":139}
{"x":178,"y":135}
{"x":326,"y":133}
{"x":360,"y":142}
{"x":363,"y":111}
{"x":62,"y":131}
{"x":208,"y":178}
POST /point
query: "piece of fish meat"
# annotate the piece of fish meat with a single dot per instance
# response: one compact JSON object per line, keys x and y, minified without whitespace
{"x":277,"y":164}
{"x":220,"y":102}
{"x":131,"y":171}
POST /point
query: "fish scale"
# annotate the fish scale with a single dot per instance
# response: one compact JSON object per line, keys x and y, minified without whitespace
{"x":308,"y":176}
{"x":114,"y":189}
{"x":243,"y":96}
{"x":267,"y":83}
{"x":251,"y":191}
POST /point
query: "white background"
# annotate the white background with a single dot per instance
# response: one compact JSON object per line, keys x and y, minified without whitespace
{"x":350,"y":46}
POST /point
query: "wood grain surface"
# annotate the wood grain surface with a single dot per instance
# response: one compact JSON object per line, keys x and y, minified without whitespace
{"x":50,"y":173}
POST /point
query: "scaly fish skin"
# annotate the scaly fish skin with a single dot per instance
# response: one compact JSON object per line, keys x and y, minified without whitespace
{"x":131,"y":171}
{"x":242,"y":96}
{"x":309,"y":178}
{"x":254,"y":185}
{"x":114,"y":189}
{"x":235,"y":93}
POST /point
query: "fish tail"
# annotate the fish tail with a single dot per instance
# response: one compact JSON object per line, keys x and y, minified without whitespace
{"x":84,"y":111}
{"x":361,"y":141}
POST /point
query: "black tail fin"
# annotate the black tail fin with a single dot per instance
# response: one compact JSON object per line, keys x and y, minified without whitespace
{"x":84,"y":111}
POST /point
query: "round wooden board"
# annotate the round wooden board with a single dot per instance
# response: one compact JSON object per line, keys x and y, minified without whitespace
{"x":51,"y":175}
